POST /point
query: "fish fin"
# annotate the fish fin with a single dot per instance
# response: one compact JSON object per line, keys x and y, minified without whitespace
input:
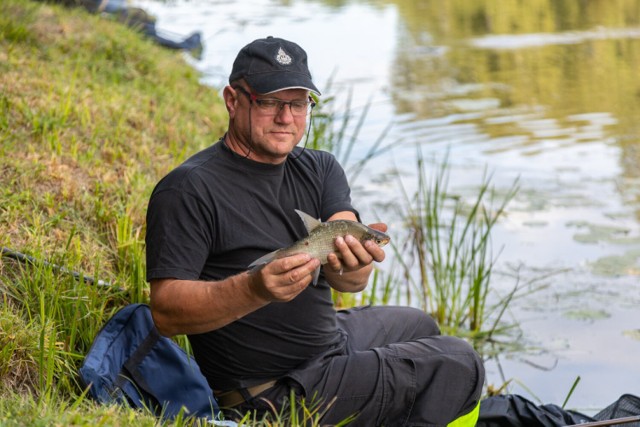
{"x":316,"y":275}
{"x":265,"y":259}
{"x":309,"y":222}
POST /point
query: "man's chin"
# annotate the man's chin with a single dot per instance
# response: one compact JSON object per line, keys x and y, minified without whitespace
{"x":282,"y":146}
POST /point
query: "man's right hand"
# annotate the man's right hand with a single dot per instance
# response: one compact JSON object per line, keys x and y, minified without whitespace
{"x":194,"y":307}
{"x":281,"y":280}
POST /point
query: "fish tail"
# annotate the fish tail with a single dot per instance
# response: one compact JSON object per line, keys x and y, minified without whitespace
{"x":265,"y":259}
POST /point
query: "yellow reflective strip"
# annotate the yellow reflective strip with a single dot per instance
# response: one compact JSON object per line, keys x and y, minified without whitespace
{"x":468,"y":420}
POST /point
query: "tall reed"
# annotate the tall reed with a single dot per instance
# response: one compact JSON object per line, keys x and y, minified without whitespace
{"x":336,"y":129}
{"x":447,"y":256}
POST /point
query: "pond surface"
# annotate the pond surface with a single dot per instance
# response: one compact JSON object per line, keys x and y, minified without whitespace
{"x":544,"y":91}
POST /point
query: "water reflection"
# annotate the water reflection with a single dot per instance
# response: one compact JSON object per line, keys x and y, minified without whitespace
{"x":562,"y":61}
{"x":544,"y":90}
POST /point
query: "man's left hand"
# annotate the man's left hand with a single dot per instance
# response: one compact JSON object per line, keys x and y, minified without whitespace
{"x":352,"y":256}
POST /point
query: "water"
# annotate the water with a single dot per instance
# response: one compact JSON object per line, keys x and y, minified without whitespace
{"x":547,"y":92}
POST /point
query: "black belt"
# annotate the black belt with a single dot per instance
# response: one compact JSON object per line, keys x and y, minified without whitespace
{"x":231,"y":398}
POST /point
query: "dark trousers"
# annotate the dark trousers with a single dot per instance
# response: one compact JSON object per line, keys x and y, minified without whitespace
{"x":392,"y":369}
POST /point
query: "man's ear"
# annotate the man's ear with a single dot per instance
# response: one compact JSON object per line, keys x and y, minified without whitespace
{"x":230,"y":97}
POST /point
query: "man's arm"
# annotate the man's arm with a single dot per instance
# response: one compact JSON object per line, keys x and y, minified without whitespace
{"x":193,"y":307}
{"x":351,"y":273}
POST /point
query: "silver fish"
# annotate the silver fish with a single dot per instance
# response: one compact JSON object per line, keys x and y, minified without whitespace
{"x":320,"y":240}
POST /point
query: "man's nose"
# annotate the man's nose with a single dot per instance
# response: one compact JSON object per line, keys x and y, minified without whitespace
{"x":285,"y":113}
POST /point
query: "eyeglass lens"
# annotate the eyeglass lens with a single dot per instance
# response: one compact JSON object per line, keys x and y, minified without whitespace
{"x":274,"y":105}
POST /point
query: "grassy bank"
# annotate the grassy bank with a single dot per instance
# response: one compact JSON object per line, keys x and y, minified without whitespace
{"x":91,"y":116}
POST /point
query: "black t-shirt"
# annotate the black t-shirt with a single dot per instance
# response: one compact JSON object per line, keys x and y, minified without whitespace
{"x":216,"y":213}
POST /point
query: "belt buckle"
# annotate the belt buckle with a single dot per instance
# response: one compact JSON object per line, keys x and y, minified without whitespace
{"x":233,"y":398}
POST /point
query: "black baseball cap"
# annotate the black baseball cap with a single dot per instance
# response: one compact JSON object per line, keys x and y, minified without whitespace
{"x":272,"y":64}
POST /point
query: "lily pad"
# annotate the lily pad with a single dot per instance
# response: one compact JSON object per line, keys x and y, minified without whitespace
{"x":601,"y":233}
{"x":586,"y":314}
{"x":633,"y":334}
{"x":627,"y":264}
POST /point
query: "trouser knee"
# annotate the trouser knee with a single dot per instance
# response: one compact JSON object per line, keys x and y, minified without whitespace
{"x":450,"y":380}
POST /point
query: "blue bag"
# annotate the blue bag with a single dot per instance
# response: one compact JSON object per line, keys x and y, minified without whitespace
{"x":130,"y":363}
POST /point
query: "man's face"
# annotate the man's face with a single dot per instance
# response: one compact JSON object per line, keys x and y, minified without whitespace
{"x":271,"y":129}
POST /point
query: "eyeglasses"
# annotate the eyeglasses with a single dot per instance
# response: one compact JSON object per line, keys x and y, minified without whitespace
{"x":273,"y":106}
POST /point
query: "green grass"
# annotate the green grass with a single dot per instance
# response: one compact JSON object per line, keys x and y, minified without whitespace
{"x":92,"y":115}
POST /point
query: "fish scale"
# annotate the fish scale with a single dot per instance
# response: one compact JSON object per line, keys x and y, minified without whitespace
{"x":320,"y":241}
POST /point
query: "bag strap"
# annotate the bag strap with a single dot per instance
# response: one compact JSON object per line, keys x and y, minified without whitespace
{"x":129,"y":369}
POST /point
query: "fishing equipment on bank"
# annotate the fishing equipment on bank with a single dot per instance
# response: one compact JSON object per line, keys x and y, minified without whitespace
{"x":512,"y":410}
{"x":27,"y":259}
{"x":130,"y":363}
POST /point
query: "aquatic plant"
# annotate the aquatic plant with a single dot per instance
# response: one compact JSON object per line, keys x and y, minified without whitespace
{"x":446,"y":256}
{"x":336,"y":128}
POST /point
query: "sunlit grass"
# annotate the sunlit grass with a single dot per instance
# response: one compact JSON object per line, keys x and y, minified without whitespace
{"x":91,"y":119}
{"x":91,"y":116}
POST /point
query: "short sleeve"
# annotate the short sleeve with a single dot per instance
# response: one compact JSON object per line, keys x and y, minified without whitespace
{"x":178,"y":235}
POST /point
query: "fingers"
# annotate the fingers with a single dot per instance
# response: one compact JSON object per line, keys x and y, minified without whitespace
{"x":352,"y":255}
{"x":283,"y":279}
{"x":290,"y":265}
{"x":380,"y":226}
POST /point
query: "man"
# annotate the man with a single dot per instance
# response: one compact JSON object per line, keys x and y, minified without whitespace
{"x":259,"y":335}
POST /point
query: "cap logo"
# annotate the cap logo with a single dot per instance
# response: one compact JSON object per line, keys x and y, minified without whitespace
{"x":283,"y":58}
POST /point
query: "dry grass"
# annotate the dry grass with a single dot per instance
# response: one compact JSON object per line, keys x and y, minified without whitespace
{"x":91,"y":116}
